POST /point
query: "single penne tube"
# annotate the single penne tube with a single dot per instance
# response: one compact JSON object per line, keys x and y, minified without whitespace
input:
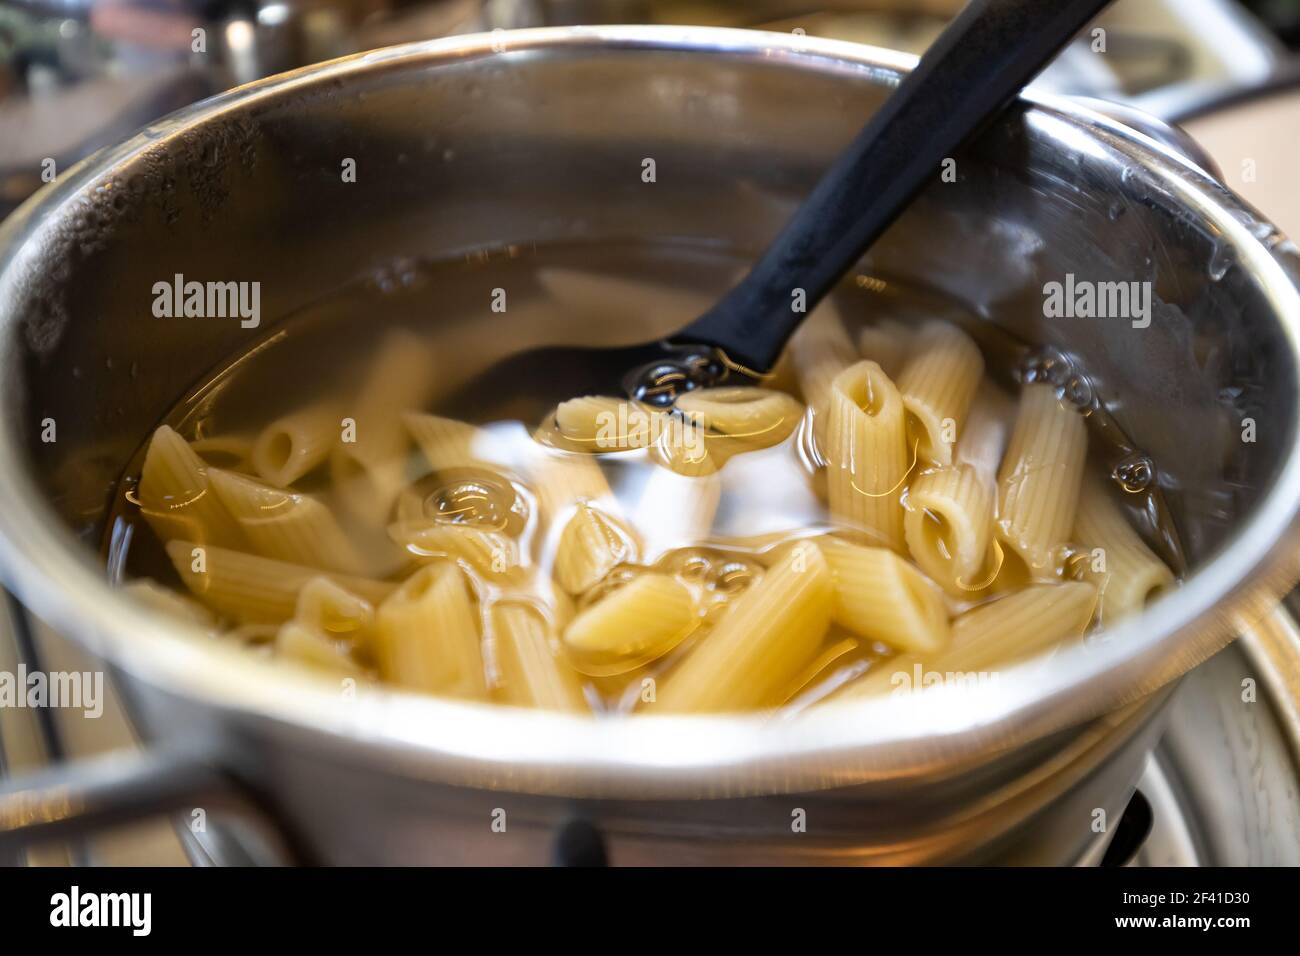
{"x":1038,"y":485}
{"x":176,"y":496}
{"x":879,"y":596}
{"x":427,"y":635}
{"x":252,"y":589}
{"x":591,"y":545}
{"x":599,"y":424}
{"x":446,"y":443}
{"x":296,"y":444}
{"x":748,"y":417}
{"x":993,"y":635}
{"x":1114,"y":557}
{"x":761,"y":643}
{"x":368,"y":466}
{"x":819,"y":351}
{"x":530,"y":672}
{"x":295,"y":641}
{"x":286,"y":525}
{"x":938,"y":384}
{"x":982,"y":442}
{"x":867,"y":457}
{"x":328,"y":608}
{"x":948,"y":524}
{"x":491,"y":553}
{"x":633,"y":625}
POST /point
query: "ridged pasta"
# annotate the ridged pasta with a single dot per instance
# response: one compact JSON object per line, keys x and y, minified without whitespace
{"x":748,"y":417}
{"x":427,"y":635}
{"x":602,"y":423}
{"x":820,"y":350}
{"x":867,"y":458}
{"x":637,"y":623}
{"x":591,"y":545}
{"x":328,"y":608}
{"x":982,"y":441}
{"x":993,"y":635}
{"x":176,"y":497}
{"x":297,"y":641}
{"x":938,"y":384}
{"x":760,"y":644}
{"x":286,"y":525}
{"x":948,"y":525}
{"x":444,"y":442}
{"x":1039,"y":482}
{"x":252,"y":589}
{"x":491,"y":553}
{"x":1126,"y":572}
{"x":296,"y":444}
{"x":369,"y":470}
{"x":531,"y":673}
{"x":881,"y":597}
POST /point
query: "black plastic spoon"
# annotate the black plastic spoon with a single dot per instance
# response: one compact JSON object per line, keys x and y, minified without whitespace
{"x":976,"y":66}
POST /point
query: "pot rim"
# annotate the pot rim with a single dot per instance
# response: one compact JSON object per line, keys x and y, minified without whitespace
{"x":490,"y":745}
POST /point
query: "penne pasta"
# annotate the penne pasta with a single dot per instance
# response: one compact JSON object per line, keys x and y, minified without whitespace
{"x":368,"y":467}
{"x":601,"y":423}
{"x":820,"y":350}
{"x":427,"y":635}
{"x":531,"y":673}
{"x":176,"y":497}
{"x":285,"y":525}
{"x":491,"y":553}
{"x":591,"y":545}
{"x":252,"y":589}
{"x":1038,"y":486}
{"x":938,"y":384}
{"x":294,"y":445}
{"x":297,"y":642}
{"x":1115,"y":559}
{"x":879,"y":596}
{"x":328,"y":608}
{"x":948,"y":524}
{"x":993,"y":635}
{"x":761,"y":643}
{"x":983,"y":440}
{"x":866,"y":453}
{"x":633,"y":625}
{"x":745,"y":417}
{"x":445,"y":443}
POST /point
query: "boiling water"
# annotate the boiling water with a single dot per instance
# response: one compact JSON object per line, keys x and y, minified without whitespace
{"x":479,"y":309}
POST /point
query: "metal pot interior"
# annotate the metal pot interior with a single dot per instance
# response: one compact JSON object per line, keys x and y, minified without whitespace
{"x":459,"y":147}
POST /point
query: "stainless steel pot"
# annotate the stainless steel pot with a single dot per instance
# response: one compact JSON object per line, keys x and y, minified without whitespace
{"x":539,"y":135}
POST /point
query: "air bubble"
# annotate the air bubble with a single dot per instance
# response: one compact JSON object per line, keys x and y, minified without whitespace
{"x":1135,"y":473}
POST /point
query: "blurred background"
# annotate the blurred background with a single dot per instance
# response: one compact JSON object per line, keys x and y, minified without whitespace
{"x":76,"y":75}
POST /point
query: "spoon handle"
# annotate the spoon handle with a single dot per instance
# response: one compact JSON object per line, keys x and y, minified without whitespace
{"x":975,"y":67}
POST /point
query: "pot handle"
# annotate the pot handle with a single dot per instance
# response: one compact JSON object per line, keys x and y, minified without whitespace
{"x":78,"y":798}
